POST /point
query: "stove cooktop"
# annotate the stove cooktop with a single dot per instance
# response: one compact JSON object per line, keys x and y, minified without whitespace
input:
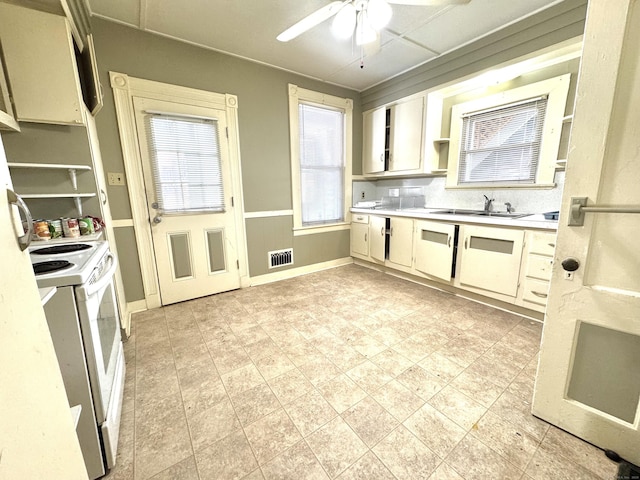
{"x":82,"y":258}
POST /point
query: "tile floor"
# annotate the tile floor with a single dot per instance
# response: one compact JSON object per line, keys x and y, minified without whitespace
{"x":346,"y":373}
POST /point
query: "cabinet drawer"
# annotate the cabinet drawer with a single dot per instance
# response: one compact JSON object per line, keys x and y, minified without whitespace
{"x":535,"y":291}
{"x":356,"y":218}
{"x":539,"y":266}
{"x":542,"y":243}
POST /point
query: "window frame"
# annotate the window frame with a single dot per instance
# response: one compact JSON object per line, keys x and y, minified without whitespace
{"x":299,"y":96}
{"x":556,"y":89}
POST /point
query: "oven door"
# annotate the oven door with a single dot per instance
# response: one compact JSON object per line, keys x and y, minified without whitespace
{"x":100,"y":324}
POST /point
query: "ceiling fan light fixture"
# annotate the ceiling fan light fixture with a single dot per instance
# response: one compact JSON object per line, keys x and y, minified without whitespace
{"x":365,"y":33}
{"x":344,"y":22}
{"x":379,"y":13}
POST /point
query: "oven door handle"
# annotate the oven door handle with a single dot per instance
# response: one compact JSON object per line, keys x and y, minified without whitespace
{"x":104,"y":280}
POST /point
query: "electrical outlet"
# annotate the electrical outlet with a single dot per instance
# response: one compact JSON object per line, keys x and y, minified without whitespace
{"x":115,"y":178}
{"x":362,"y":195}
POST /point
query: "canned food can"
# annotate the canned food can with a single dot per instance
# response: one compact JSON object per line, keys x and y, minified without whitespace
{"x":86,"y":226}
{"x":70,"y":227}
{"x":55,"y":228}
{"x":41,"y":230}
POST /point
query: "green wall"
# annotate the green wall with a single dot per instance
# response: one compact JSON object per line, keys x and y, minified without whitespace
{"x":263,"y":118}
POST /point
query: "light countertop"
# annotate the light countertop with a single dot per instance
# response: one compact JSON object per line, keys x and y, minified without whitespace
{"x":536,"y":221}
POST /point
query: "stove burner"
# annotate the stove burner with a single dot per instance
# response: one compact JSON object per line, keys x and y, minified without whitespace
{"x":66,"y":248}
{"x":51,"y":266}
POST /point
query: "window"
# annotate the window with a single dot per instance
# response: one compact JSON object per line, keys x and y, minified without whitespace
{"x":509,"y":139}
{"x":185,"y":158}
{"x":320,"y":160}
{"x":502,"y":145}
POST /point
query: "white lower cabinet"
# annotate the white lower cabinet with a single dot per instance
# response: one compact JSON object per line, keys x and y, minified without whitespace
{"x":537,"y":265}
{"x":401,"y":241}
{"x":435,"y":248}
{"x":490,"y":259}
{"x":360,"y":235}
{"x":377,"y":237}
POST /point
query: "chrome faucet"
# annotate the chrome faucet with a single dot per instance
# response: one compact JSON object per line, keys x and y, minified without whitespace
{"x":509,"y":207}
{"x":487,"y":203}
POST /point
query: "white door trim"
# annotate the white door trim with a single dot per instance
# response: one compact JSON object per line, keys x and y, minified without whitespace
{"x":124,"y":89}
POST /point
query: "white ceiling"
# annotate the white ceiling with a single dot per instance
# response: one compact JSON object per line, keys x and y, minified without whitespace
{"x":248,"y":29}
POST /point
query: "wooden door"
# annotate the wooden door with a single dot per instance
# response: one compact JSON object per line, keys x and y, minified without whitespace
{"x":194,"y":240}
{"x":588,"y":379}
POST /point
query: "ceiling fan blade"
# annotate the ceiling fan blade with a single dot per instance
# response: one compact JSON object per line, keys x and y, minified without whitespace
{"x":310,"y":21}
{"x":429,"y":3}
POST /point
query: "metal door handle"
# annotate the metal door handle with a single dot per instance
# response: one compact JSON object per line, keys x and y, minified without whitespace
{"x":14,"y":199}
{"x":579,"y":208}
{"x":382,"y":231}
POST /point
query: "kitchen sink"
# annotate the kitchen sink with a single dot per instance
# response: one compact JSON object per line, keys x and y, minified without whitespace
{"x":457,"y":211}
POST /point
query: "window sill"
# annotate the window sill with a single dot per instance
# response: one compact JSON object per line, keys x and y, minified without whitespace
{"x":297,"y":231}
{"x":491,"y":186}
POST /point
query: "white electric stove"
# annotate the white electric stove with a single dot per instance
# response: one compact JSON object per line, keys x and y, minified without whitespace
{"x":85,"y":327}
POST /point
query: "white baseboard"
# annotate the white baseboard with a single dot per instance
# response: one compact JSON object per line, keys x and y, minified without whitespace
{"x":296,"y":272}
{"x":131,"y":308}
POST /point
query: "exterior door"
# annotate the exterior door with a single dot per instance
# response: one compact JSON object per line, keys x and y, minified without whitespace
{"x":588,"y":379}
{"x":185,"y":161}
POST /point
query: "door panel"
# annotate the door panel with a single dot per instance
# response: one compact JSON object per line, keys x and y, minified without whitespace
{"x":374,"y":124}
{"x":491,"y":258}
{"x":378,"y":237}
{"x":434,"y":248}
{"x":192,"y":220}
{"x":588,"y":379}
{"x":401,"y":241}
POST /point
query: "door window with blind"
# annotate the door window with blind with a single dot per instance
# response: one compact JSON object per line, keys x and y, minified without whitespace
{"x":185,"y":158}
{"x":509,"y":139}
{"x":321,"y":160}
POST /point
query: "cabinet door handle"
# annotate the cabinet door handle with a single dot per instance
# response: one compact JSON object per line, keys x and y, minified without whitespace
{"x":14,"y":199}
{"x":466,"y":242}
{"x":538,"y":294}
{"x":391,"y":232}
{"x":552,"y":245}
{"x":365,"y":237}
{"x":449,"y":241}
{"x":382,"y":157}
{"x":382,"y":231}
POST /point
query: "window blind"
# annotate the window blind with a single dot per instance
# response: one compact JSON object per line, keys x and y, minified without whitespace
{"x":502,"y":145}
{"x":322,"y":164}
{"x":185,"y":159}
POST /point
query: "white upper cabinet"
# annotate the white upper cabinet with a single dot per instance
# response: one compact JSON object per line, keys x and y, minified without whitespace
{"x":373,"y":148}
{"x":405,"y":138}
{"x":7,"y":117}
{"x":41,"y":66}
{"x":393,"y":138}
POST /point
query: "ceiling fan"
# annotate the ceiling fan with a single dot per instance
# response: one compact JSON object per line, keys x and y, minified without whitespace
{"x":364,"y":18}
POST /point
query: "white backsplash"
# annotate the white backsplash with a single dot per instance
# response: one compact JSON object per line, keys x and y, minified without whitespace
{"x":533,"y":200}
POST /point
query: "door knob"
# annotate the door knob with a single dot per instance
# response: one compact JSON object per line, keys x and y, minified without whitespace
{"x":570,"y":264}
